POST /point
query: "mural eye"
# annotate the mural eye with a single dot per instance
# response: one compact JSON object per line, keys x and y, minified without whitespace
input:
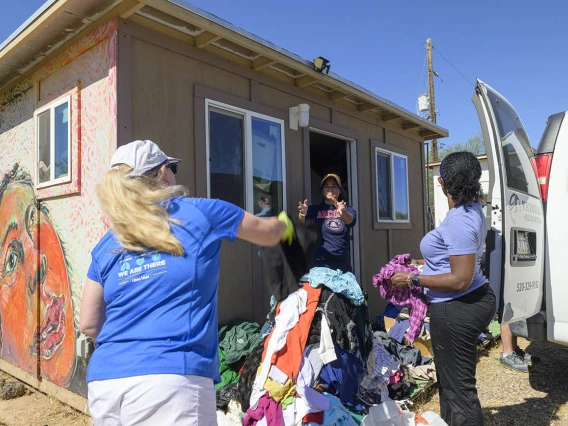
{"x":43,"y":269}
{"x":31,"y":221}
{"x":11,"y":262}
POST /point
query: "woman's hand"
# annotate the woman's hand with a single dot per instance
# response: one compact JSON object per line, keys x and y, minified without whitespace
{"x":340,"y":206}
{"x":400,"y":279}
{"x":303,"y":209}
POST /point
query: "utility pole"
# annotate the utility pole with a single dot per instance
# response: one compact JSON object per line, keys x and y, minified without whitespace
{"x":431,"y":95}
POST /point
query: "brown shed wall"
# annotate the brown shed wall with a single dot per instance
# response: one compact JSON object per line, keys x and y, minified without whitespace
{"x":163,"y":83}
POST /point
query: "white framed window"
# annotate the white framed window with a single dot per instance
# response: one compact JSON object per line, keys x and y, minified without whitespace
{"x":53,"y":143}
{"x":391,"y":186}
{"x":246,"y":153}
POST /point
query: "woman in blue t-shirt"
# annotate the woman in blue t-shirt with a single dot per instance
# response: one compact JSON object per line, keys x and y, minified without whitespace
{"x":461,"y":302}
{"x":336,"y":219}
{"x":150,"y":300}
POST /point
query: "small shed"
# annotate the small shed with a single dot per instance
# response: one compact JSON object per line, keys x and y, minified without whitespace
{"x":81,"y":77}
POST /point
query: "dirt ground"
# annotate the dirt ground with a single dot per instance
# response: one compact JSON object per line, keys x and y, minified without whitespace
{"x":508,"y":398}
{"x":37,"y":409}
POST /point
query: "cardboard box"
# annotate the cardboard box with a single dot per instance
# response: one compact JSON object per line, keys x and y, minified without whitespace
{"x":389,"y":322}
{"x":425,"y":346}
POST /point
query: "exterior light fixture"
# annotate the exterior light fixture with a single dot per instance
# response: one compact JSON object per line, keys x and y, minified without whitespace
{"x":299,"y":116}
{"x":321,"y":65}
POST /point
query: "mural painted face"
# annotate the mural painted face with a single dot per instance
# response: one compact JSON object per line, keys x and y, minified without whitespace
{"x":32,"y":271}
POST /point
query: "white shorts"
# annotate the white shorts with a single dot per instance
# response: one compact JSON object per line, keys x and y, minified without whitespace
{"x":156,"y":399}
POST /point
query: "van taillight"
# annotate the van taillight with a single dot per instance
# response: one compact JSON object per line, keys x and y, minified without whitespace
{"x":541,"y":164}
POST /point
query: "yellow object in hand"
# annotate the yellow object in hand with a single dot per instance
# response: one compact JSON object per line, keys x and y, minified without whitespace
{"x":289,"y":234}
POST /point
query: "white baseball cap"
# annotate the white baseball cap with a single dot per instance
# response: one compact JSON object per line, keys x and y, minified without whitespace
{"x":142,"y":157}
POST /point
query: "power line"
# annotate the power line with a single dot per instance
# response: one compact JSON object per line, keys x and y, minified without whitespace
{"x":451,"y":87}
{"x":452,"y":65}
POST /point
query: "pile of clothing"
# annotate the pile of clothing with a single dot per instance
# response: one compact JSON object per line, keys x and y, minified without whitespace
{"x":417,"y":368}
{"x":317,"y":360}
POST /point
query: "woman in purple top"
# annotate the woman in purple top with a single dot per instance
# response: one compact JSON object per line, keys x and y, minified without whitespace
{"x":461,"y":302}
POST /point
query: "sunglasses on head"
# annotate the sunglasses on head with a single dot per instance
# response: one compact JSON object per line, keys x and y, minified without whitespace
{"x":173,"y":168}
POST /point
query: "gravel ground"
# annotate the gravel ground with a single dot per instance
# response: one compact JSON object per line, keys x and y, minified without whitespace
{"x":508,"y":398}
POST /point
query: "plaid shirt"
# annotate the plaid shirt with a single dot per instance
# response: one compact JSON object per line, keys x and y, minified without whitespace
{"x":405,"y":297}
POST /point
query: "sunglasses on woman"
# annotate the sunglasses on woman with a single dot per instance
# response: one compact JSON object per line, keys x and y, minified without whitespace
{"x":173,"y":168}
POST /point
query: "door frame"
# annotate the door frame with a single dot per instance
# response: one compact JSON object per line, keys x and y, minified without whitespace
{"x":350,"y":138}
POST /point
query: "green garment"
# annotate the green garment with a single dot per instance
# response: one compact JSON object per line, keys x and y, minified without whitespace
{"x":228,"y":375}
{"x":495,"y":328}
{"x":237,"y":339}
{"x":286,"y":402}
{"x":356,"y":415}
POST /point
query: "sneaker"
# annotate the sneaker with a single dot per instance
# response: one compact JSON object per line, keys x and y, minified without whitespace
{"x":528,"y":358}
{"x":514,"y":362}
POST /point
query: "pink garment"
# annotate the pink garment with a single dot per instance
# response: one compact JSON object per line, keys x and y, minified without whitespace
{"x":396,"y":377}
{"x":268,"y":408}
{"x":405,"y":297}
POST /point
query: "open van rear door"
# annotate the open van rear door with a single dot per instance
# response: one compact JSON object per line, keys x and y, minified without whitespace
{"x":515,"y":242}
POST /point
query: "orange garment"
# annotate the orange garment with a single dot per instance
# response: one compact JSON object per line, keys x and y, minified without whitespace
{"x":289,"y":358}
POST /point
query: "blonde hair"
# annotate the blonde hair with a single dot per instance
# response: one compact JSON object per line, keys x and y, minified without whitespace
{"x":137,"y":207}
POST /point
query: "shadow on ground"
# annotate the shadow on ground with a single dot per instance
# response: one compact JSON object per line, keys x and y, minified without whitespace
{"x":550,"y":376}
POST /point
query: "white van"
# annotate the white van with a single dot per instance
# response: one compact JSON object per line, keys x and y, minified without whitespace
{"x":526,"y":242}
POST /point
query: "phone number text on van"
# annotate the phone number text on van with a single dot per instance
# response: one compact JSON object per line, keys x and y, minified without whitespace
{"x":529,"y":285}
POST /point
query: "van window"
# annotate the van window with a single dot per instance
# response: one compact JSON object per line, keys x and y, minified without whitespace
{"x":517,"y":150}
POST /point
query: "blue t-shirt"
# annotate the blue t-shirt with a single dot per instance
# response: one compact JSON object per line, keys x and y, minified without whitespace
{"x":161,"y":314}
{"x":462,"y":232}
{"x":333,"y":251}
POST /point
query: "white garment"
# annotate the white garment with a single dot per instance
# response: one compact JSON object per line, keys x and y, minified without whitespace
{"x":326,"y":348}
{"x":295,"y":412}
{"x":222,"y":419}
{"x":235,"y":413}
{"x":278,"y":375}
{"x":155,"y":399}
{"x":309,"y":371}
{"x":290,"y":310}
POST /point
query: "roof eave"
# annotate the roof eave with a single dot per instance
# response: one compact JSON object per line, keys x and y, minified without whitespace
{"x":180,"y":9}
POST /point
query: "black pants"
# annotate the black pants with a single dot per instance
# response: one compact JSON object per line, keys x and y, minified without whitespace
{"x":454,"y":329}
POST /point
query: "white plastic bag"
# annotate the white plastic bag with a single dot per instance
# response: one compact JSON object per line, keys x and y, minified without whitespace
{"x":433,"y":419}
{"x":388,"y":414}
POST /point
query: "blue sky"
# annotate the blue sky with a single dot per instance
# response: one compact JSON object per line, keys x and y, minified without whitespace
{"x":516,"y":47}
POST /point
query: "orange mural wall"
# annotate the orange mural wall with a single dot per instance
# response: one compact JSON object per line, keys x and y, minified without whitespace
{"x":47,"y":229}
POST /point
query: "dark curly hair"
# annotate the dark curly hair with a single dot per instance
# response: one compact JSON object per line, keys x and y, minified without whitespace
{"x":461,"y":172}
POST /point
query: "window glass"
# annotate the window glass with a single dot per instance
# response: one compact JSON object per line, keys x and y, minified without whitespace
{"x":400,"y":188}
{"x":267,"y":167}
{"x":44,"y":156}
{"x":61,"y":141}
{"x":226,"y":156}
{"x":516,"y":147}
{"x":384,"y":199}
